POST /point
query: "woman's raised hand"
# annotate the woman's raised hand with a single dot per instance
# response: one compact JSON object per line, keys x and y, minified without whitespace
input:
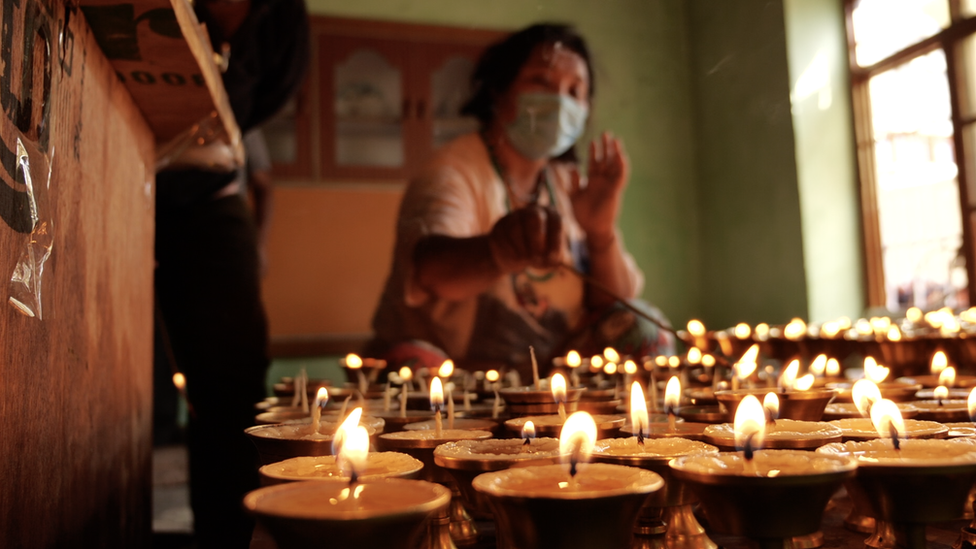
{"x":597,"y":204}
{"x":528,"y":237}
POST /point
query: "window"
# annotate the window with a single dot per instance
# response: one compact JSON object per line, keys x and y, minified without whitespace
{"x":914,"y":90}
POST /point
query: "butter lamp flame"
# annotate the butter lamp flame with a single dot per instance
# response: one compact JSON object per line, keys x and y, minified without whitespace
{"x":352,"y":457}
{"x":789,"y":375}
{"x":948,"y":377}
{"x":865,"y":393}
{"x":492,"y":375}
{"x":672,"y":397}
{"x":610,"y":368}
{"x":694,"y":355}
{"x":771,"y":407}
{"x":611,"y":355}
{"x":346,"y":427}
{"x":887,"y":420}
{"x":321,"y":398}
{"x":353,"y":362}
{"x":749,"y":426}
{"x":528,"y":432}
{"x":745,"y":366}
{"x":436,"y":394}
{"x":577,"y":438}
{"x":630,"y":367}
{"x":940,"y":393}
{"x":447,"y":369}
{"x":804,"y":383}
{"x":406,"y":374}
{"x":939,"y":362}
{"x":696,"y":328}
{"x":558,"y":387}
{"x":819,"y":365}
{"x":742,"y":331}
{"x":833,"y":367}
{"x":638,"y":413}
{"x":179,"y":380}
{"x":573,"y":359}
{"x":874,"y":371}
{"x":894,"y":334}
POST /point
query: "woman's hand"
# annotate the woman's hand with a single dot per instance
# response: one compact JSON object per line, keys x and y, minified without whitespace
{"x":597,"y":204}
{"x":528,"y":237}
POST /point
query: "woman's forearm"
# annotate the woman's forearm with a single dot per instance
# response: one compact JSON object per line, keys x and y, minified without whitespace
{"x":455,"y":268}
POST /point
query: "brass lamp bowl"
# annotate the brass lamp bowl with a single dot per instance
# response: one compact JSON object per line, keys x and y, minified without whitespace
{"x":703,"y":414}
{"x":378,"y":465}
{"x":391,"y":513}
{"x":801,"y":405}
{"x":526,"y":401}
{"x":682,"y":429}
{"x":848,"y":410}
{"x":283,"y":441}
{"x":768,"y":509}
{"x":599,"y":512}
{"x":904,"y":492}
{"x":394,"y":422}
{"x":466,"y":459}
{"x":946,"y":411}
{"x":906,"y":355}
{"x":894,"y":391}
{"x":465,"y":424}
{"x":786,"y":434}
{"x":931,"y":381}
{"x":295,"y":418}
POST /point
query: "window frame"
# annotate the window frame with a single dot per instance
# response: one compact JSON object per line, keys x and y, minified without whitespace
{"x":949,"y":40}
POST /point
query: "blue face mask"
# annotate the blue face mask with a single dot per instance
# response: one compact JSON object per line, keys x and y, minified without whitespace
{"x":546,"y":125}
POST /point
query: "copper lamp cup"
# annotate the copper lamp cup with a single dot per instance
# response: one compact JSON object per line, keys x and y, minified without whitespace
{"x":465,"y":424}
{"x":571,"y":520}
{"x":682,"y":429}
{"x":894,"y":391}
{"x":703,"y":414}
{"x":818,"y":434}
{"x":769,"y":510}
{"x":906,"y":355}
{"x":401,"y":527}
{"x":379,"y":465}
{"x":931,"y":381}
{"x":276,"y":448}
{"x":800,"y":405}
{"x":701,"y":396}
{"x":394,"y":422}
{"x":848,"y":410}
{"x":950,"y":411}
{"x":464,"y":468}
{"x":526,"y":401}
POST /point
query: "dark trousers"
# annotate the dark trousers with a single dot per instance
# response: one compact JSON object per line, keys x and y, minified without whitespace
{"x":208,"y":292}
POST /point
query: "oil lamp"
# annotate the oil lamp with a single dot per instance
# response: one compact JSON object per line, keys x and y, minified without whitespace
{"x":570,"y":505}
{"x":287,"y":440}
{"x":527,"y":401}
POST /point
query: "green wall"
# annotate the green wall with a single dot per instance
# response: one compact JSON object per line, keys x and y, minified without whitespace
{"x":643,"y":95}
{"x":752,"y":253}
{"x":822,"y":123}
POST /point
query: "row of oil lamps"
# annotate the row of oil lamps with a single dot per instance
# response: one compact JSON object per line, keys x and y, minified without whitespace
{"x":599,"y":480}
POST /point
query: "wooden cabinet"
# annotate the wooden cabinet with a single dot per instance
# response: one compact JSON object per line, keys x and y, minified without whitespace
{"x":380,"y":98}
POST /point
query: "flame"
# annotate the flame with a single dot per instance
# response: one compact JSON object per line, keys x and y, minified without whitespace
{"x":708,"y":361}
{"x":447,"y":369}
{"x":894,"y":334}
{"x":558,"y":387}
{"x":661,"y":361}
{"x":939,"y":362}
{"x":948,"y":377}
{"x":950,"y":326}
{"x":940,"y":393}
{"x":596,"y":363}
{"x":750,"y":419}
{"x":804,"y":383}
{"x":406,"y":374}
{"x":865,"y":393}
{"x":353,"y":362}
{"x":345,"y":428}
{"x":833,"y":367}
{"x":795,"y":330}
{"x":874,"y":371}
{"x":436,"y":394}
{"x":674,"y":361}
{"x":830,"y":329}
{"x":880,"y":325}
{"x":696,"y":328}
{"x":771,"y":405}
{"x":969,"y":315}
{"x":672,"y":394}
{"x":528,"y":430}
{"x":971,"y":404}
{"x":638,"y":410}
{"x":611,"y":355}
{"x":179,"y":380}
{"x":321,"y":398}
{"x":742,"y":330}
{"x":573,"y":359}
{"x":818,"y":365}
{"x":694,"y":355}
{"x":863,"y":327}
{"x":610,"y":368}
{"x":789,"y":374}
{"x":747,"y":364}
{"x":492,"y":375}
{"x":723,"y":342}
{"x":577,"y":438}
{"x":885,"y":415}
{"x":913,"y":314}
{"x":630,"y":367}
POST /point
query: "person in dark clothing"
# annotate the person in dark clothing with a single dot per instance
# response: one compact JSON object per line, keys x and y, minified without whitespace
{"x":208,"y":274}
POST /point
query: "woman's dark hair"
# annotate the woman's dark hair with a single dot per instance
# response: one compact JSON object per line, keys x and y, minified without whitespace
{"x":501,"y":62}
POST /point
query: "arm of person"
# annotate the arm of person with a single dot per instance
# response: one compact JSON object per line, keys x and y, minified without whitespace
{"x":459,"y":268}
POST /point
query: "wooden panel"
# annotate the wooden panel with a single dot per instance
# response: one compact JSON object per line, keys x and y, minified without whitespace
{"x":329,"y":253}
{"x":75,"y":386}
{"x":163,"y":54}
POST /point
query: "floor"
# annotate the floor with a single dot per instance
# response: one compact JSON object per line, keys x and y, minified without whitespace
{"x":172,"y":517}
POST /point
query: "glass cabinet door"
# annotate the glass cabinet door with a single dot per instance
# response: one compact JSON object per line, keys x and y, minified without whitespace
{"x":288,"y":137}
{"x":445,"y":85}
{"x":363,"y":104}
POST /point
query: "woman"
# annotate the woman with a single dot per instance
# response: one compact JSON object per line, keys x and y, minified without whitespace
{"x":485,"y":227}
